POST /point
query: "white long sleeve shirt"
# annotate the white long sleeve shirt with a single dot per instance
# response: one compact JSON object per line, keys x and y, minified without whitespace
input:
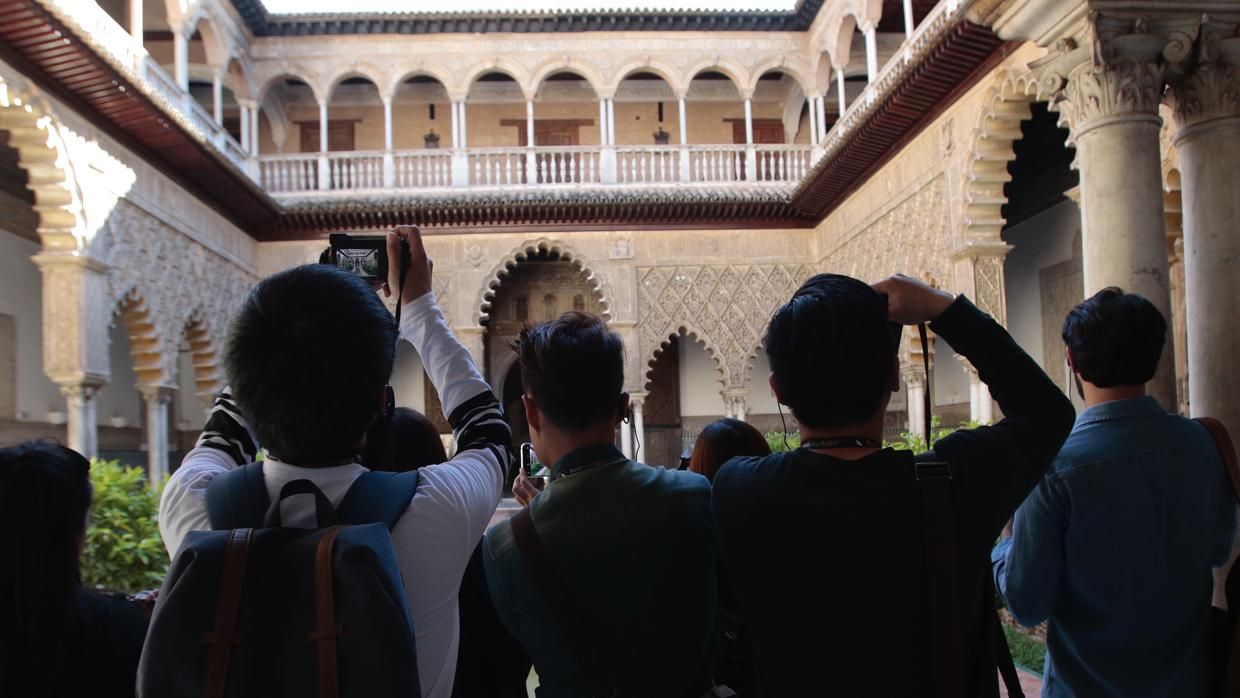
{"x":450,"y":510}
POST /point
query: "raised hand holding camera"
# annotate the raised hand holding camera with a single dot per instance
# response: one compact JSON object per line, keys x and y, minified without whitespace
{"x":910,"y":301}
{"x":404,"y":246}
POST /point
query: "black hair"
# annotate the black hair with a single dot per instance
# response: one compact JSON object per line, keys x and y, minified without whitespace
{"x":831,"y":350}
{"x":308,"y":354}
{"x":409,"y":442}
{"x":574,"y":368}
{"x":44,"y":499}
{"x":1115,"y":338}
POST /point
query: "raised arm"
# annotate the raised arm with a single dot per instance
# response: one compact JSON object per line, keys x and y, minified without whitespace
{"x":470,"y":483}
{"x":226,"y":442}
{"x":1007,"y":459}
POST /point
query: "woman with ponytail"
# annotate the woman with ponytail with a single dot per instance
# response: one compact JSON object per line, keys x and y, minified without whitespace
{"x":56,"y":638}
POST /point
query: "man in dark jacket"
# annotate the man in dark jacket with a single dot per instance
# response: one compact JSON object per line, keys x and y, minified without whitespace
{"x":826,"y":544}
{"x":630,"y":547}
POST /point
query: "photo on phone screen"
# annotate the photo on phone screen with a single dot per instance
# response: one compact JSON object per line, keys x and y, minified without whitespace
{"x":534,"y":471}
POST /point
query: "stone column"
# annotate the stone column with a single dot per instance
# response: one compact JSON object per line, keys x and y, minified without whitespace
{"x":180,"y":53}
{"x":135,"y":21}
{"x":812,"y":112}
{"x":871,"y":54}
{"x":751,"y":156}
{"x":840,"y":95}
{"x":1206,"y":108}
{"x":638,"y":402}
{"x":975,"y":389}
{"x":607,"y":136}
{"x":626,"y":440}
{"x":217,"y":96}
{"x":1113,"y":86}
{"x":325,"y":175}
{"x":915,"y":393}
{"x":82,"y":429}
{"x":460,"y":160}
{"x":685,"y":171}
{"x":822,"y":118}
{"x":389,"y":161}
{"x":736,"y":403}
{"x":156,"y":398}
{"x":908,"y":18}
{"x":531,"y":158}
{"x":253,"y":128}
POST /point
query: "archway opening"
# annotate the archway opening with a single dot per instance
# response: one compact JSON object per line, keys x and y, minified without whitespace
{"x":295,"y":99}
{"x":683,"y":381}
{"x":1043,"y":276}
{"x":422,"y":133}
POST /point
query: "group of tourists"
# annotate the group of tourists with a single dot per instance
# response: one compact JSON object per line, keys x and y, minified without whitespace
{"x":353,"y":557}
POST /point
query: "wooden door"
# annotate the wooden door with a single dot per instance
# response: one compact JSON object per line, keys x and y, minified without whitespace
{"x":765,"y":131}
{"x":339,"y":135}
{"x":555,"y":167}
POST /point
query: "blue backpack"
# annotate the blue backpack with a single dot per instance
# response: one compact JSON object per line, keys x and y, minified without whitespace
{"x":252,"y":608}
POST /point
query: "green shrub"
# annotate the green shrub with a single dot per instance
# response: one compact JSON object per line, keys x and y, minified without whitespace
{"x":1027,"y":652}
{"x":780,"y":441}
{"x":123,"y":548}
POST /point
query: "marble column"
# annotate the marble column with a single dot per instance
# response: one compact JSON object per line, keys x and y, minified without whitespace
{"x":253,"y":128}
{"x":1206,"y":108}
{"x":685,"y":172}
{"x":1112,"y":88}
{"x":915,"y":395}
{"x":156,"y":399}
{"x":135,"y":21}
{"x":908,"y":18}
{"x":531,"y":158}
{"x":180,"y":58}
{"x":975,"y":389}
{"x":871,"y":55}
{"x":389,"y":161}
{"x":751,"y":156}
{"x":82,"y":429}
{"x":325,"y":175}
{"x":736,"y":404}
{"x":840,"y":95}
{"x":217,"y":96}
{"x":638,"y":402}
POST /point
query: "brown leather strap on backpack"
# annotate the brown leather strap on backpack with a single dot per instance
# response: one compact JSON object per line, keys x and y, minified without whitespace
{"x":221,"y":639}
{"x":1227,"y":451}
{"x":325,"y":628}
{"x":567,"y":615}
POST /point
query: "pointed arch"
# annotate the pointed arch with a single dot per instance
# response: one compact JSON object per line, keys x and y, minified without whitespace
{"x":529,"y":249}
{"x":685,"y":329}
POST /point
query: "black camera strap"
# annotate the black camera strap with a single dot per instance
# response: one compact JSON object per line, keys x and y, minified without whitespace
{"x":400,"y":288}
{"x":935,"y":478}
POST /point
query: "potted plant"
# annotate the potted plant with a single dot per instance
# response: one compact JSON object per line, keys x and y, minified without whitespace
{"x":661,"y":136}
{"x":431,"y":139}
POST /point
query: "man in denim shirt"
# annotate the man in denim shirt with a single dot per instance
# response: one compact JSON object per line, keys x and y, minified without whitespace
{"x":1115,"y":545}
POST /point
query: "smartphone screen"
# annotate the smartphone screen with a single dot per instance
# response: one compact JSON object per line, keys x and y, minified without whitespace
{"x":534,"y":471}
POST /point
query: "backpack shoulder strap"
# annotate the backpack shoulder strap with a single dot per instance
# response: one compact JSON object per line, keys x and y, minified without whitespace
{"x":1226,"y":451}
{"x":238,"y":498}
{"x":560,"y":602}
{"x":935,"y":478}
{"x":378,"y":497}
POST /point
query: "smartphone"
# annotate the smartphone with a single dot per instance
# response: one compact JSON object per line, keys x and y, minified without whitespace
{"x":364,"y":256}
{"x":534,"y":471}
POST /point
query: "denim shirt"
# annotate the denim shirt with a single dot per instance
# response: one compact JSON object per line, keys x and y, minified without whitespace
{"x":1115,"y":547}
{"x":635,"y":547}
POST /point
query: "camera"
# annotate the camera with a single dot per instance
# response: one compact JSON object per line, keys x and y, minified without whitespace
{"x":530,"y":465}
{"x":364,"y":256}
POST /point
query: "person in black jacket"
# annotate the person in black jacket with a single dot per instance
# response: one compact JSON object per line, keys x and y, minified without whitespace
{"x":57,"y":639}
{"x":825,"y":544}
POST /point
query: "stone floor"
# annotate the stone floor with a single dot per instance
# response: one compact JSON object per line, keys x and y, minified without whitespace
{"x":1030,"y":683}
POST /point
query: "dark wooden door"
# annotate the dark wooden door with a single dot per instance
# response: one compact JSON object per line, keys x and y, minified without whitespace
{"x":339,"y":135}
{"x":765,"y":131}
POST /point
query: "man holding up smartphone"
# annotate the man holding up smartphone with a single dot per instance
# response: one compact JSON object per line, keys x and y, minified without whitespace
{"x":309,"y":355}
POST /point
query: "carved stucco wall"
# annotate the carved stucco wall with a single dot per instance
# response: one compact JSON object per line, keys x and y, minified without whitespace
{"x":117,"y":234}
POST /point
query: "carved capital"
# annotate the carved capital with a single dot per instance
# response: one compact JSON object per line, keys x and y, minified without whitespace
{"x":156,"y":395}
{"x":1210,"y":89}
{"x":1117,"y":71}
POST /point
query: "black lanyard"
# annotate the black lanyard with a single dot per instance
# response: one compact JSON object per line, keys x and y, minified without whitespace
{"x":841,"y":442}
